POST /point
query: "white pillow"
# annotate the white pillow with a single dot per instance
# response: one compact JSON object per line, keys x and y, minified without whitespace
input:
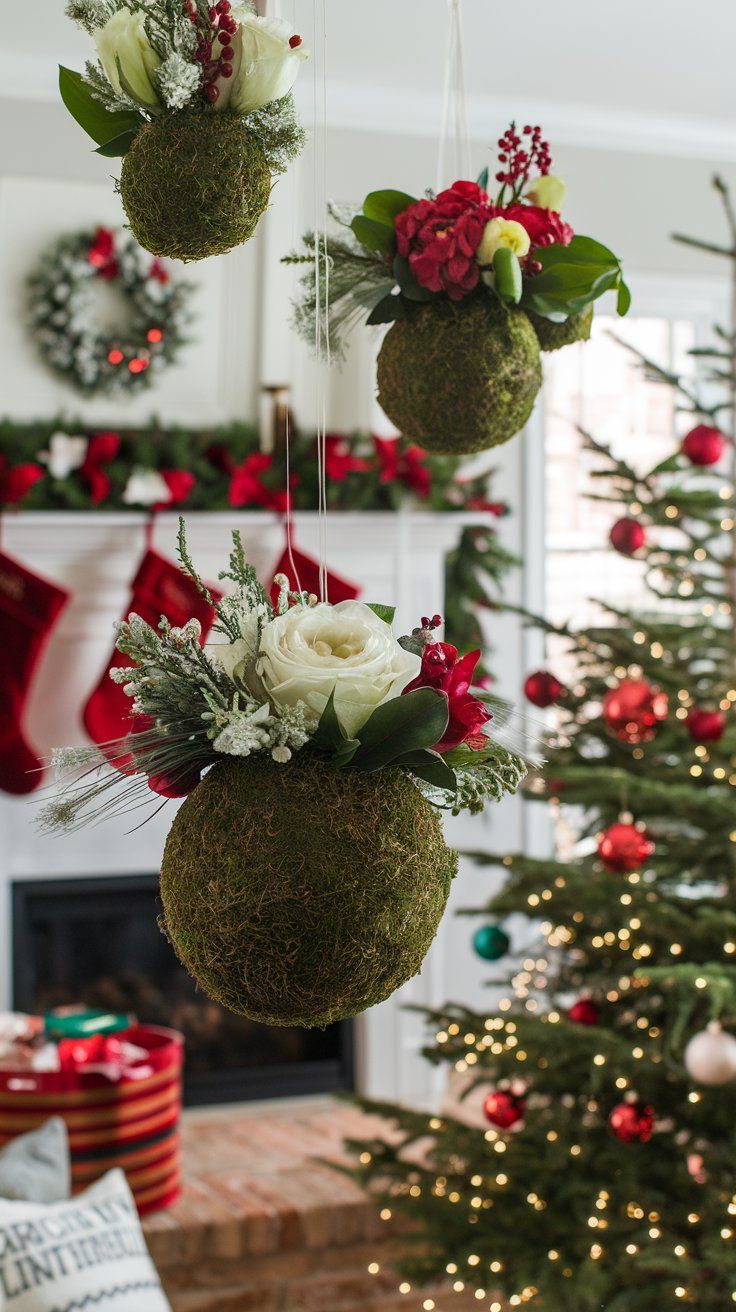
{"x":88,"y":1252}
{"x":35,"y":1166}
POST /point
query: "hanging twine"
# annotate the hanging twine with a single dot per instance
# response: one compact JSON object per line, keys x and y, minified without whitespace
{"x":453,"y":154}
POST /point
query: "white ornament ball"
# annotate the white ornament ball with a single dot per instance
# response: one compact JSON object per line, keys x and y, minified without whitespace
{"x":710,"y":1057}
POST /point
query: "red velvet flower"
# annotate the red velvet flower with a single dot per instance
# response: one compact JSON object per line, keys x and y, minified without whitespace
{"x":442,"y":670}
{"x":16,"y":481}
{"x":545,"y":227}
{"x":339,"y":462}
{"x":440,"y":237}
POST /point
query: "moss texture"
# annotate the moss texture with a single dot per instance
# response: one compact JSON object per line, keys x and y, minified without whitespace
{"x":302,"y":894}
{"x":553,"y":336}
{"x":194,"y":184}
{"x":460,"y":377}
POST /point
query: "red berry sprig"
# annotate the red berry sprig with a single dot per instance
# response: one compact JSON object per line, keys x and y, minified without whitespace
{"x":214,"y":51}
{"x":521,"y":157}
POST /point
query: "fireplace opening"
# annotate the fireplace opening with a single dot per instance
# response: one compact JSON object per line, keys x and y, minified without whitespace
{"x":97,"y":941}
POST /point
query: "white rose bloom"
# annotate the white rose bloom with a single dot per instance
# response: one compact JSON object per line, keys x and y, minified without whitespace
{"x":65,"y":454}
{"x":312,"y":650}
{"x":124,"y":39}
{"x":265,"y":65}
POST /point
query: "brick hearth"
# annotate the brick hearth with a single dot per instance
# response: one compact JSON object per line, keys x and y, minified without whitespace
{"x":265,"y":1225}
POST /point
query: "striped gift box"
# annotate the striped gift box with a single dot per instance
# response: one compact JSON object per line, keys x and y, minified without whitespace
{"x":132,"y":1122}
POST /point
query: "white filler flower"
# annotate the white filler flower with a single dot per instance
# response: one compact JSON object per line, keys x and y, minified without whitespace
{"x":311,"y":650}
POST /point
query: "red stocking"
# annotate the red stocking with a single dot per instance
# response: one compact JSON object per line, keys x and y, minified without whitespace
{"x":159,"y":588}
{"x":29,"y":607}
{"x":338,"y":588}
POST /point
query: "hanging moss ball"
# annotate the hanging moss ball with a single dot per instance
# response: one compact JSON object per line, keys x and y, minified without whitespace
{"x":460,"y":377}
{"x":553,"y":336}
{"x":194,"y":184}
{"x":301,"y":894}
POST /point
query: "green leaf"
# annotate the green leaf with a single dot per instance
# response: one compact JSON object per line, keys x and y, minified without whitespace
{"x":103,"y":125}
{"x":383,"y":206}
{"x":331,"y":738}
{"x":388,"y":309}
{"x":431,"y":767}
{"x":405,"y":724}
{"x":507,"y":271}
{"x":623,"y":302}
{"x":483,"y":178}
{"x":385,"y":613}
{"x":374,"y":236}
{"x":408,"y":283}
{"x":572,"y":277}
{"x":119,"y":145}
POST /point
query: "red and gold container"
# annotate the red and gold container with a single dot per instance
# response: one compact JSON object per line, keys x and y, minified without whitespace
{"x":132,"y":1121}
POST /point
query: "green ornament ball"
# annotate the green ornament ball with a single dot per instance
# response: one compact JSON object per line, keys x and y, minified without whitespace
{"x":491,"y":942}
{"x":460,"y":377}
{"x":553,"y":336}
{"x":301,"y":894}
{"x":194,"y":184}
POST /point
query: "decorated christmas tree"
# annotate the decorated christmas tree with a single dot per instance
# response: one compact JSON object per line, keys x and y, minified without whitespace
{"x":590,"y":1163}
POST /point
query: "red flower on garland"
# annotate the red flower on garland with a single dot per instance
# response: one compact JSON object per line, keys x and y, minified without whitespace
{"x":248,"y":489}
{"x":339,"y":462}
{"x":16,"y":481}
{"x":101,"y":449}
{"x":440,"y":237}
{"x":442,"y":670}
{"x":180,"y":484}
{"x":406,"y":466}
{"x":101,"y":254}
{"x":159,"y":272}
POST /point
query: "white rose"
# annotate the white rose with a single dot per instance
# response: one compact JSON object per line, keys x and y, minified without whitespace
{"x":145,"y":487}
{"x":312,"y":650}
{"x":268,"y":53}
{"x":124,"y":39}
{"x":547,"y":191}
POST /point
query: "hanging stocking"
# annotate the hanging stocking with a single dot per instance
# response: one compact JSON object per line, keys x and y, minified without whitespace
{"x":29,"y":607}
{"x":159,"y":588}
{"x":307,"y":569}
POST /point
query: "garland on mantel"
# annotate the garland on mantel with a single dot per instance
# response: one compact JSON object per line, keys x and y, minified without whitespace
{"x":62,"y":465}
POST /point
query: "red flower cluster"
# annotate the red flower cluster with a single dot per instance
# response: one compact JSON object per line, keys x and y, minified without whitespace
{"x":101,"y":449}
{"x":442,"y":670}
{"x":101,"y":254}
{"x":247,"y":487}
{"x":407,"y":465}
{"x":440,"y":237}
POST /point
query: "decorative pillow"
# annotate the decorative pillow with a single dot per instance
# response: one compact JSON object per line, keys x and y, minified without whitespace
{"x":86,"y":1253}
{"x":35,"y":1166}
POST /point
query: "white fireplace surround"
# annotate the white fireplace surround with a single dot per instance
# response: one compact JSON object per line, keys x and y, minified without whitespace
{"x":396,"y":558}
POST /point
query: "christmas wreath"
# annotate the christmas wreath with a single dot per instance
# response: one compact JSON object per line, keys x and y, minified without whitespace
{"x":61,"y":308}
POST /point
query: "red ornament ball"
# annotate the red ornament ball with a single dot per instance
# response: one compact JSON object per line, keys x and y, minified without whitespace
{"x":705,"y":726}
{"x":634,"y":710}
{"x":704,"y":445}
{"x":624,"y":847}
{"x":583,"y":1012}
{"x":504,"y":1109}
{"x":632,"y":1122}
{"x":543,"y":689}
{"x":627,"y":536}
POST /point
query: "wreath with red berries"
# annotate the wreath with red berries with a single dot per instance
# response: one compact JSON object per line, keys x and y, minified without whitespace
{"x":65,"y":321}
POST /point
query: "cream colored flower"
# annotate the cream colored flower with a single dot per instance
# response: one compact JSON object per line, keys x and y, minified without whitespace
{"x":268,"y":53}
{"x":124,"y":40}
{"x":548,"y":191}
{"x":500,"y":232}
{"x":312,"y":650}
{"x":145,"y":487}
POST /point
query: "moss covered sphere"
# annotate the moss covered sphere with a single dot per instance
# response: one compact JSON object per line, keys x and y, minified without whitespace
{"x":460,"y":377}
{"x":301,"y":894}
{"x":553,"y":336}
{"x":194,"y":184}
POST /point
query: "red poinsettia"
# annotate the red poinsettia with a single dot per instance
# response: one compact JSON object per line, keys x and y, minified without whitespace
{"x":339,"y":461}
{"x":407,"y":465}
{"x":180,"y":484}
{"x":442,"y":670}
{"x":247,"y":487}
{"x":16,"y":481}
{"x":101,"y":449}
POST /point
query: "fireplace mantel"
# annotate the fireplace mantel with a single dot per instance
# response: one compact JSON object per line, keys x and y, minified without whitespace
{"x":396,"y":558}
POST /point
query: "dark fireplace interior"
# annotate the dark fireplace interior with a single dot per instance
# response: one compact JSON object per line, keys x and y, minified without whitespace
{"x":97,"y":942}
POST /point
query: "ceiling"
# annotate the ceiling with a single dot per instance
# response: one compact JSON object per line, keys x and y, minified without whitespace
{"x":636,"y":57}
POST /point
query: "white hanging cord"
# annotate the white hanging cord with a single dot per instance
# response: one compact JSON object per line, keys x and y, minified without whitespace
{"x":322,"y":340}
{"x":287,"y":418}
{"x":453,"y":154}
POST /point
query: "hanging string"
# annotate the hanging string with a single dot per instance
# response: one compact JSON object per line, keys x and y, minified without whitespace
{"x":321,"y":277}
{"x":453,"y":154}
{"x":287,"y":424}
